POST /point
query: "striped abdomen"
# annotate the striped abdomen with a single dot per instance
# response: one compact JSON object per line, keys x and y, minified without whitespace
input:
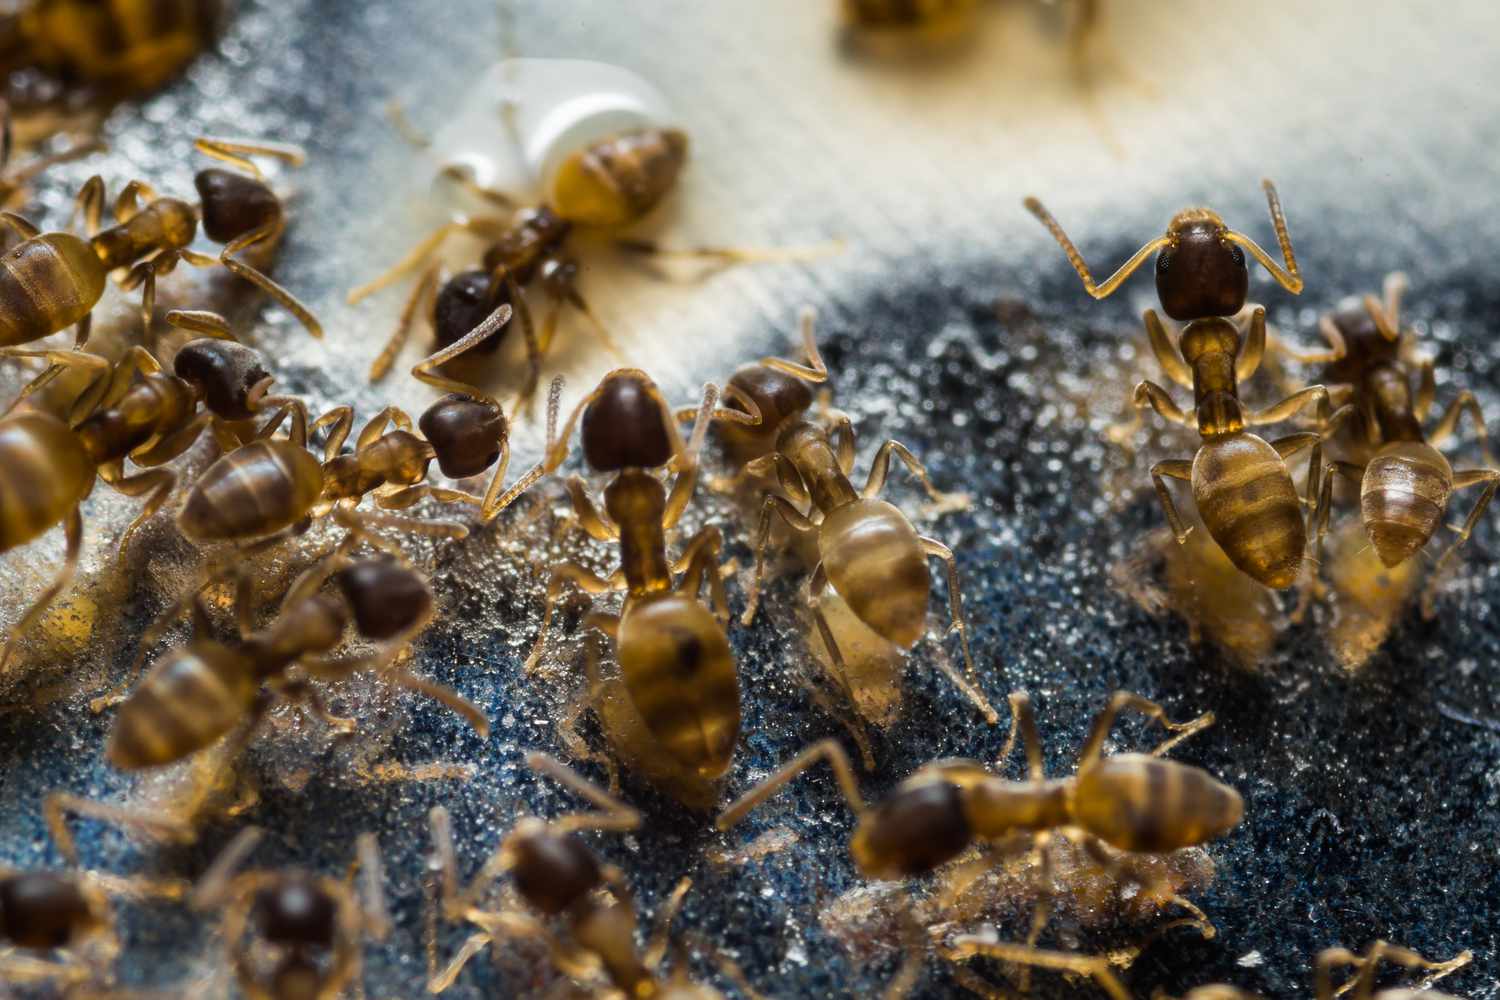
{"x":47,"y":284}
{"x":185,"y":703}
{"x":1403,"y":497}
{"x":45,"y":475}
{"x":1140,"y":803}
{"x":617,"y":180}
{"x":676,"y":664}
{"x":1246,"y":498}
{"x":875,"y":561}
{"x":258,"y":489}
{"x":131,"y":45}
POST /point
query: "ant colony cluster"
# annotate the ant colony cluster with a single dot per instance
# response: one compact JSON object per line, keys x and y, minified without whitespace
{"x":544,"y":153}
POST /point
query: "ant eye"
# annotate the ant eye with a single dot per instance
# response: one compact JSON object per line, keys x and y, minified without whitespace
{"x":1237,"y":255}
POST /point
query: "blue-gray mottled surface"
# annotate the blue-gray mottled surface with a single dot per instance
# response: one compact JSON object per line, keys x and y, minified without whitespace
{"x":1371,"y":798}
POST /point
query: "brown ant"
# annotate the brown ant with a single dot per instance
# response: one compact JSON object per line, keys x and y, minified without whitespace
{"x":674,"y":656}
{"x":559,"y":877}
{"x":131,"y":409}
{"x":57,"y":927}
{"x":123,"y":47}
{"x":206,"y":689}
{"x":1126,"y":802}
{"x":271,"y":485}
{"x":869,"y":552}
{"x":1362,"y":985}
{"x":293,"y":935}
{"x":51,"y":281}
{"x":1406,"y":484}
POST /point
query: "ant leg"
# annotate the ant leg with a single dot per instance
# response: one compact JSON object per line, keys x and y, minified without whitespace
{"x":1364,"y":982}
{"x":494,"y":501}
{"x":826,"y":750}
{"x":1461,"y":480}
{"x":815,"y":370}
{"x":445,"y":696}
{"x":880,"y":467}
{"x":377,"y":424}
{"x":613,"y":815}
{"x":841,"y":433}
{"x":1166,"y":352}
{"x":426,"y":369}
{"x":425,"y":248}
{"x":57,"y":805}
{"x":1023,"y":721}
{"x":1318,"y":529}
{"x":157,"y":483}
{"x":1076,"y":259}
{"x":597,"y":525}
{"x":726,"y":256}
{"x":419,"y":295}
{"x":1291,"y":406}
{"x":701,"y":559}
{"x":967,"y":946}
{"x":228,"y":257}
{"x":1093,"y":747}
{"x":661,"y":925}
{"x":938,"y":550}
{"x":796,"y":521}
{"x":582,"y":578}
{"x":1337,"y":349}
{"x":1253,"y":351}
{"x":339,"y":421}
{"x":1448,"y":423}
{"x":173,"y":444}
{"x":56,"y":362}
{"x":89,"y":203}
{"x":1174,"y":469}
{"x":1148,"y":393}
{"x":1288,"y":446}
{"x":74,"y":531}
{"x":238,"y":151}
{"x":408,"y":496}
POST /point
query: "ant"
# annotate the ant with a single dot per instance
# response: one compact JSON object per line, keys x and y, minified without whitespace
{"x":604,"y":186}
{"x":1126,"y":802}
{"x":205,"y":689}
{"x":868,"y":550}
{"x":131,"y":409}
{"x":559,"y":876}
{"x":240,"y":212}
{"x":120,"y":48}
{"x":1406,"y":483}
{"x":1362,"y":985}
{"x":270,"y":485}
{"x":293,"y":935}
{"x":675,"y":659}
{"x":58,"y":926}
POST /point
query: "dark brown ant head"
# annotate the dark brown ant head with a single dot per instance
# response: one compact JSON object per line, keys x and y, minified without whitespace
{"x":234,"y":204}
{"x":467,"y":434}
{"x":626,"y":426}
{"x":1201,"y":272}
{"x":43,"y":910}
{"x":230,"y":377}
{"x":465,"y":301}
{"x":386,"y":598}
{"x":295,"y":912}
{"x":553,"y":871}
{"x":918,"y":828}
{"x":1366,"y":346}
{"x":777,"y":394}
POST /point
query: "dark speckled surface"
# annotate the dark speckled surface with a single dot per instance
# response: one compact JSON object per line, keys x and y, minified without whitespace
{"x":1371,"y":796}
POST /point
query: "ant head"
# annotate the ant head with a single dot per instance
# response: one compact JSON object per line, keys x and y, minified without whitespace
{"x":465,"y":301}
{"x":553,"y":870}
{"x":626,"y":425}
{"x":467,"y":433}
{"x":777,"y":394}
{"x":1201,"y":272}
{"x":918,"y":828}
{"x":234,"y":204}
{"x":385,"y":597}
{"x":230,"y":377}
{"x":295,"y":912}
{"x":43,"y":910}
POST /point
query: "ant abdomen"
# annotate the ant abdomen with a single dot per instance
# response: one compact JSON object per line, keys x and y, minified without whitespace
{"x":917,"y":829}
{"x":259,"y":489}
{"x":1403,"y":498}
{"x":875,"y":560}
{"x":47,"y":474}
{"x":185,"y":703}
{"x":1248,"y":502}
{"x":47,"y":283}
{"x":619,"y":179}
{"x":1136,"y":802}
{"x":676,"y":663}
